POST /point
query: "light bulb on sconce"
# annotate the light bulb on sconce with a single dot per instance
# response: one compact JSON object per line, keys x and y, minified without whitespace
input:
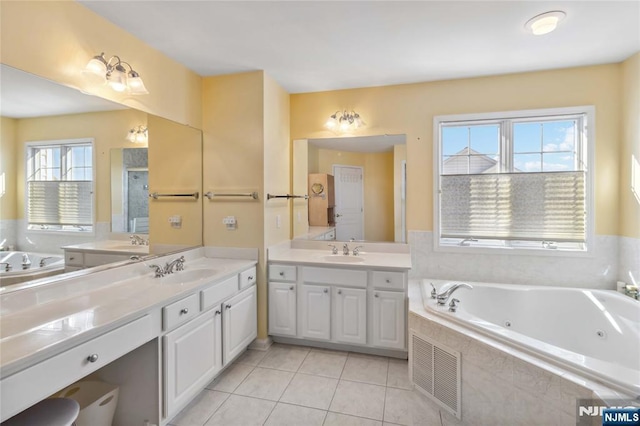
{"x":139,"y":134}
{"x":344,"y":121}
{"x":114,"y":73}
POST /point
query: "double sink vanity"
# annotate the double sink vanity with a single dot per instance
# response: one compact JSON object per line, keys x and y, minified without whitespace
{"x":164,"y":327}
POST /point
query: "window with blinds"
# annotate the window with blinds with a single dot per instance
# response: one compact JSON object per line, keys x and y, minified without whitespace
{"x":514,"y":180}
{"x":59,"y":186}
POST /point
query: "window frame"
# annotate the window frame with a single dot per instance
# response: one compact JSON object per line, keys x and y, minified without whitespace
{"x":587,"y":146}
{"x":60,"y":142}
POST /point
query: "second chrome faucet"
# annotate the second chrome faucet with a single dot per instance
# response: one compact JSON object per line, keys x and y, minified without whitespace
{"x":176,"y":264}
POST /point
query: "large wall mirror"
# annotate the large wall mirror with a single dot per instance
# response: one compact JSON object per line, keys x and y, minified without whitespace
{"x":368,"y":178}
{"x":37,"y":113}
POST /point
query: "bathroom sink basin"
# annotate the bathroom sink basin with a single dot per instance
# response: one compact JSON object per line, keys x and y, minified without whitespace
{"x":183,"y":277}
{"x":339,"y":258}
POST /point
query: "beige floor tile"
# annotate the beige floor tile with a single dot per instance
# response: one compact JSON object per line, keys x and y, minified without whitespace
{"x":336,"y":419}
{"x":200,"y":409}
{"x":324,"y":363}
{"x":359,"y":399}
{"x":265,"y":383}
{"x":398,"y":374}
{"x":407,"y":407}
{"x":231,"y":378}
{"x":366,"y":369}
{"x":293,"y":415}
{"x":251,"y":357}
{"x":242,"y":411}
{"x":288,"y":358}
{"x":310,"y":391}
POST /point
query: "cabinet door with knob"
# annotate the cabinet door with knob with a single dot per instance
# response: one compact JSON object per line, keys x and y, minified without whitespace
{"x":389,"y":319}
{"x":282,"y":309}
{"x":240,"y":323}
{"x":350,"y":315}
{"x":315,"y":312}
{"x":193,"y":356}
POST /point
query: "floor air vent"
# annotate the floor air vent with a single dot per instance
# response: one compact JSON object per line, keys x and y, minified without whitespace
{"x":435,"y":370}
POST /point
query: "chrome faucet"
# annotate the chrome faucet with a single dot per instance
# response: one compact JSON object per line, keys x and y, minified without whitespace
{"x":356,"y":250}
{"x":345,"y":249}
{"x":178,"y":264}
{"x":44,"y":260}
{"x":26,"y":262}
{"x":159,"y":272}
{"x":137,"y":240}
{"x":444,"y":296}
{"x":7,"y":266}
{"x":334,"y":249}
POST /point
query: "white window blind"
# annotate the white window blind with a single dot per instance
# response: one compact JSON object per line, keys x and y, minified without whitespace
{"x":65,"y":203}
{"x":514,"y":206}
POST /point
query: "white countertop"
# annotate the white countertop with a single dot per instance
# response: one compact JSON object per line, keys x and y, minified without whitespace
{"x":324,"y":257}
{"x":109,"y":246}
{"x":41,"y":321}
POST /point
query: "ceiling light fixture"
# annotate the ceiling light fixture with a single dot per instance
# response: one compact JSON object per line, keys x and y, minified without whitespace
{"x":545,"y":22}
{"x":344,"y":121}
{"x":114,"y":73}
{"x":138,"y":134}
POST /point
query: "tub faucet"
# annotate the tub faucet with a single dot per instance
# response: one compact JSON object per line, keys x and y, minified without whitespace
{"x":444,"y":296}
{"x":137,"y":240}
{"x":7,"y":266}
{"x":44,"y":260}
{"x":178,"y":264}
{"x":26,"y":262}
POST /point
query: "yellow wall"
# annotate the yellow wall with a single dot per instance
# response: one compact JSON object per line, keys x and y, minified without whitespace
{"x":409,"y":109}
{"x":56,"y":39}
{"x":8,"y":176}
{"x":630,"y":149}
{"x":108,"y":129}
{"x":175,"y":166}
{"x":378,"y":187}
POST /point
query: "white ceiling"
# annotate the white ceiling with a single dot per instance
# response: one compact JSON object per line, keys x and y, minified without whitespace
{"x":381,"y":143}
{"x":24,"y":95}
{"x":321,"y":45}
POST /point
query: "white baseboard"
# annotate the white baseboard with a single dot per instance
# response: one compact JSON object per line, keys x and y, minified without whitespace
{"x":261,"y":344}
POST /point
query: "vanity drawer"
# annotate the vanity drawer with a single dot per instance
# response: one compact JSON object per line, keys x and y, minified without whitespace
{"x":33,"y":384}
{"x":215,"y":294}
{"x":247,"y":278}
{"x":73,"y":258}
{"x":383,"y":279}
{"x":347,"y":277}
{"x":181,"y":311}
{"x":282,"y":272}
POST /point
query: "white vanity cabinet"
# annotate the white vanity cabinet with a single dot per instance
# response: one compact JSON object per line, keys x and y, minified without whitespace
{"x":315,"y":311}
{"x":240,"y":322}
{"x":351,"y":306}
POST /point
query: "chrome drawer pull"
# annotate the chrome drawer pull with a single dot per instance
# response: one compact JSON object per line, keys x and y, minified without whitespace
{"x":375,"y":295}
{"x":228,"y":306}
{"x":217,"y":313}
{"x":184,"y":311}
{"x":326,"y":290}
{"x":339,"y":291}
{"x":282,"y":273}
{"x":291,"y":288}
{"x":388,"y":281}
{"x":92,"y":358}
{"x":250,"y":278}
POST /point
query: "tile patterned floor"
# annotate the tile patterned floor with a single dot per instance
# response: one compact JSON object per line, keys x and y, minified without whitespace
{"x":298,"y":386}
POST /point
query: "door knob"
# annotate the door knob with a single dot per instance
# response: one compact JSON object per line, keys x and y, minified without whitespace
{"x":338,"y":215}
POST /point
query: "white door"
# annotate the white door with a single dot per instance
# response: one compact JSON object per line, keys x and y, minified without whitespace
{"x":388,"y":319}
{"x":349,"y":209}
{"x":282,"y":309}
{"x":240,"y":323}
{"x":193,"y":356}
{"x":350,"y":315}
{"x":315,"y":312}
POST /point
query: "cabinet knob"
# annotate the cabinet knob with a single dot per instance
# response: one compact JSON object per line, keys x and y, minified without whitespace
{"x":375,"y":295}
{"x":228,"y":307}
{"x":339,"y":291}
{"x":184,"y":311}
{"x":326,"y":290}
{"x":92,"y":358}
{"x":71,"y":258}
{"x":250,"y":278}
{"x":388,"y":281}
{"x":217,"y":313}
{"x":291,"y":288}
{"x":282,"y":273}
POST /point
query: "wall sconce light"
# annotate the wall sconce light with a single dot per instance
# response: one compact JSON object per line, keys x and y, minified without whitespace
{"x":344,"y":121}
{"x":114,"y":73}
{"x":138,"y":134}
